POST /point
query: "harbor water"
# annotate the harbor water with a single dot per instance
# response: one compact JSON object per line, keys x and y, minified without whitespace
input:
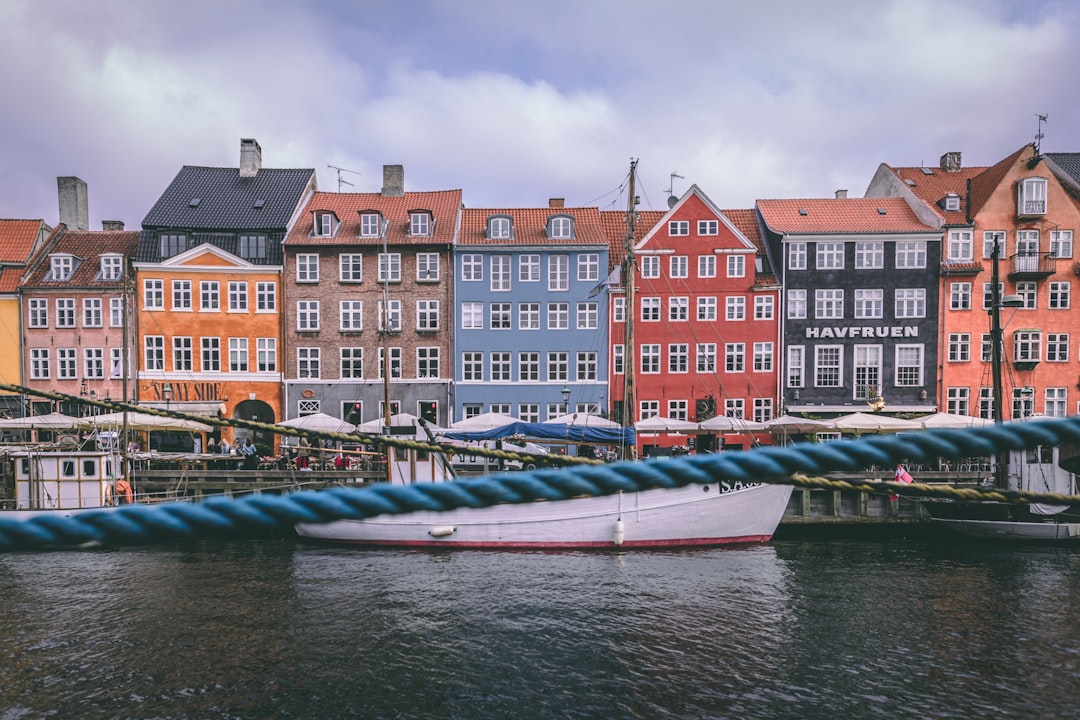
{"x":794,"y":629}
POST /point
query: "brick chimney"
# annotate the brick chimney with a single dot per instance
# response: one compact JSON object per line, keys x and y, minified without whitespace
{"x":841,"y":194}
{"x":74,"y":205}
{"x":950,"y":162}
{"x":112,"y":225}
{"x":393,"y":180}
{"x":250,"y":157}
{"x":556,"y":202}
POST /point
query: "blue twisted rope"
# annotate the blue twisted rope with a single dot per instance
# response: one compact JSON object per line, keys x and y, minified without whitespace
{"x":262,"y":514}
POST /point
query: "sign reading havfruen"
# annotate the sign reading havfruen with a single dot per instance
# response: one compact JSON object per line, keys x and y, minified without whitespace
{"x":883,"y":331}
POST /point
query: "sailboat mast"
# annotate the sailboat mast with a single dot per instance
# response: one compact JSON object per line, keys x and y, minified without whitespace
{"x":996,"y":349}
{"x":629,"y":389}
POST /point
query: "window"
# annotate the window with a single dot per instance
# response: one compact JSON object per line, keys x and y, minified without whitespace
{"x":472,"y":316}
{"x":827,"y":365}
{"x":252,"y":246}
{"x":869,"y":303}
{"x":307,"y":268}
{"x":238,"y":354}
{"x":1027,"y":346}
{"x":706,"y":309}
{"x":986,"y":403}
{"x":734,"y":407}
{"x":1023,"y":402}
{"x":588,"y":316}
{"x":390,"y":316}
{"x":66,"y":364}
{"x":951,"y":202}
{"x":763,"y":357}
{"x":678,"y":309}
{"x":65,"y":312}
{"x":472,"y":366}
{"x":1059,"y":295}
{"x":499,"y":227}
{"x":351,"y":315}
{"x":586,"y":366}
{"x":909,"y":365}
{"x":529,"y":367}
{"x":266,"y":297}
{"x":307,"y":315}
{"x":678,"y":358}
{"x":796,"y":256}
{"x":389,"y":267}
{"x":736,"y":266}
{"x":1056,"y":402}
{"x":829,"y":304}
{"x":959,"y":347}
{"x":796,"y":304}
{"x":735,"y":308}
{"x":427,"y":267}
{"x":830,"y":256}
{"x":734,"y":357}
{"x":558,"y":366}
{"x":986,"y":351}
{"x":1061,"y":243}
{"x":93,"y":363}
{"x":764,"y":307}
{"x":154,"y":352}
{"x":561,"y":227}
{"x":39,"y":364}
{"x":678,"y":409}
{"x":266,"y":354}
{"x":795,"y":364}
{"x":1031,"y":196}
{"x":650,"y":309}
{"x":153,"y":294}
{"x":988,"y":294}
{"x":706,"y":357}
{"x":351,"y":267}
{"x":961,"y":246}
{"x":182,"y":354}
{"x":1057,"y":347}
{"x":706,"y":266}
{"x":618,"y":310}
{"x":324,"y":224}
{"x":867,"y":378}
{"x":869,"y":254}
{"x":957,"y":401}
{"x":960,"y":296}
{"x":529,"y":316}
{"x":618,"y":359}
{"x":910,"y":302}
{"x":209,"y":295}
{"x":588,"y":267}
{"x":649,"y":408}
{"x":181,"y":295}
{"x":427,"y":315}
{"x":529,"y":412}
{"x":39,"y":312}
{"x":500,"y":316}
{"x":910,"y":254}
{"x":370,"y":225}
{"x":472,"y":267}
{"x":112,"y":267}
{"x":500,"y":273}
{"x":708,"y":227}
{"x":172,"y":244}
{"x":238,"y":296}
{"x":352,"y":363}
{"x":558,"y":316}
{"x":763,"y":410}
{"x":116,"y":312}
{"x":650,"y":266}
{"x":211,"y":354}
{"x":990,"y":238}
{"x":419,"y":224}
{"x":650,"y":359}
{"x":427,"y":362}
{"x":678,"y":228}
{"x":307,"y":362}
{"x":529,"y":268}
{"x":678,"y":266}
{"x":559,"y":273}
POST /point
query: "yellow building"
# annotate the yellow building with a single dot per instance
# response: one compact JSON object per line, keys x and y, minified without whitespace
{"x":19,"y":240}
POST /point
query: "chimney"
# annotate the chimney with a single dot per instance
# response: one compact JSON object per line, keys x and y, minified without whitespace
{"x":74,"y":206}
{"x":557,"y":202}
{"x":950,"y":162}
{"x":112,"y":225}
{"x":250,"y":157}
{"x":841,"y":194}
{"x":393,"y":180}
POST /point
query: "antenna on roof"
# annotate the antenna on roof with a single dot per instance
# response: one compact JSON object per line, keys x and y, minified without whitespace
{"x":1039,"y":135}
{"x":671,"y":189}
{"x":340,"y":180}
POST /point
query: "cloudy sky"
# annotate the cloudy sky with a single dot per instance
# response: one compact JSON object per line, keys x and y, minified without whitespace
{"x":518,"y":101}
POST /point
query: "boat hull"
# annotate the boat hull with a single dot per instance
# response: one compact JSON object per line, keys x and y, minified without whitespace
{"x":1018,"y":531}
{"x":694,"y":515}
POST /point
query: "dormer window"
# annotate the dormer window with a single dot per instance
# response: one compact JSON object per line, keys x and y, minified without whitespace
{"x":371,"y":224}
{"x":172,"y":244}
{"x":420,"y":223}
{"x":112,"y":267}
{"x":325,"y":224}
{"x":500,"y":227}
{"x":61,"y":267}
{"x":252,"y":247}
{"x":951,"y":202}
{"x":1031,"y":196}
{"x":560,"y":227}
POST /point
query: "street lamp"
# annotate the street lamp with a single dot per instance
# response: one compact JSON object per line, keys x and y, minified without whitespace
{"x":166,"y":392}
{"x":566,"y":397}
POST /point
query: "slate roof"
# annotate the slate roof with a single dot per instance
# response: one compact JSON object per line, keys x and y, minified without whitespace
{"x":529,"y":225}
{"x":444,"y":205}
{"x":88,"y":246}
{"x":839,"y":216}
{"x":1068,"y":162}
{"x":17,"y":239}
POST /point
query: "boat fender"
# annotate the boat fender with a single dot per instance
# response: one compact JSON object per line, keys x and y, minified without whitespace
{"x":443,"y":531}
{"x":619,"y":534}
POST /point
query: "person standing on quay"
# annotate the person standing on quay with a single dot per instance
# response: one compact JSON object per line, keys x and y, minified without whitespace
{"x":251,"y":456}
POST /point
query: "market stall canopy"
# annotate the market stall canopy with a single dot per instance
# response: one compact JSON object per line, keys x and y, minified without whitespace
{"x":50,"y":421}
{"x":661,"y":424}
{"x":484,"y":421}
{"x":722,"y":423}
{"x":865,"y":422}
{"x":318,"y":422}
{"x":948,"y":420}
{"x":143,"y":421}
{"x":796,"y":425}
{"x":583,"y":420}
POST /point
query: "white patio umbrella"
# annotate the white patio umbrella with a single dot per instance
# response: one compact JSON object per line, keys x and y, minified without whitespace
{"x":791,"y":425}
{"x":484,"y":421}
{"x":584,"y":420}
{"x":722,"y":423}
{"x":948,"y":420}
{"x":50,"y":421}
{"x":374,"y":427}
{"x":143,"y":421}
{"x":661,"y":424}
{"x":319,"y":422}
{"x":864,"y":422}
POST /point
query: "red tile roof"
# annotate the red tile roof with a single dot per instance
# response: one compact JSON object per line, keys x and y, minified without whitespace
{"x":444,"y":206}
{"x":9,"y":278}
{"x":88,"y":246}
{"x":983,"y":186}
{"x":529,"y":225}
{"x":840,"y":216}
{"x":932,"y":184}
{"x":614,"y":222}
{"x":17,"y":239}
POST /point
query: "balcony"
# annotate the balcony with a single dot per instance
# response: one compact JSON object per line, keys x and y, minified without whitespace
{"x":1032,"y":266}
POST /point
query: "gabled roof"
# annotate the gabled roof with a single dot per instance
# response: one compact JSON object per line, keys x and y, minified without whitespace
{"x":529,"y":225}
{"x":984,"y":185}
{"x":932,"y":184}
{"x":840,"y":216}
{"x":88,"y":246}
{"x":17,"y":238}
{"x":444,"y":206}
